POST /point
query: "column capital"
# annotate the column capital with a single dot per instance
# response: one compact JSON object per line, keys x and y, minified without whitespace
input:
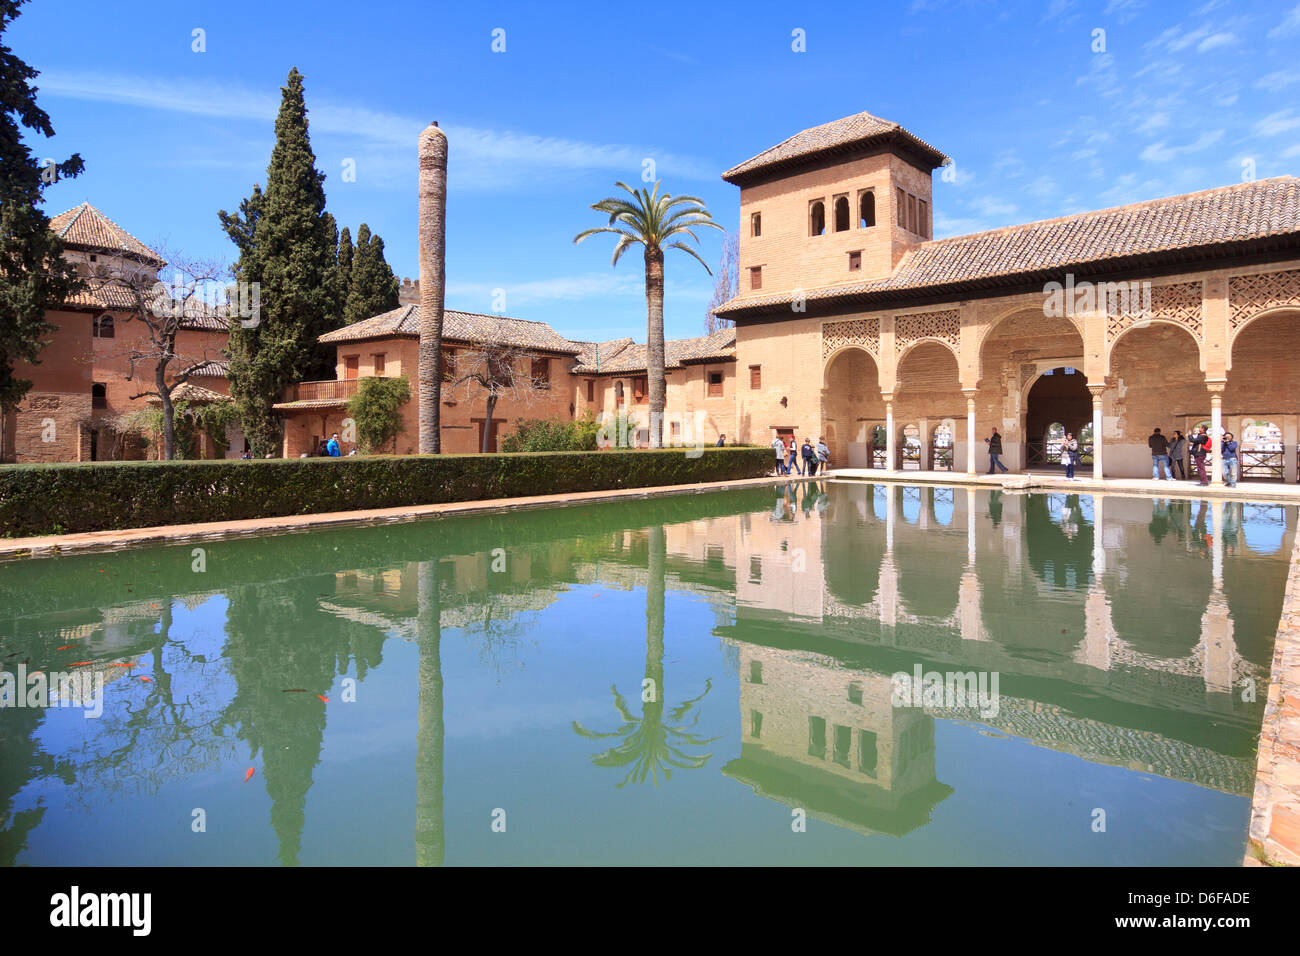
{"x":887,"y":397}
{"x":1217,"y":387}
{"x":1097,"y":390}
{"x":970,"y":393}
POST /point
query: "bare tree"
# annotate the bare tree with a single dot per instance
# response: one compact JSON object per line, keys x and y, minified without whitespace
{"x":499,"y":370}
{"x":726,"y":283}
{"x":136,"y":293}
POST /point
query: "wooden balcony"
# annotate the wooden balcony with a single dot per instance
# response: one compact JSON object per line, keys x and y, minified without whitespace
{"x":322,"y":391}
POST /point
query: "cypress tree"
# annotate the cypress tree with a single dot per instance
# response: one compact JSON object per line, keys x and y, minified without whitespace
{"x":373,"y":288}
{"x":287,"y":245}
{"x":344,"y":269}
{"x":34,"y":278}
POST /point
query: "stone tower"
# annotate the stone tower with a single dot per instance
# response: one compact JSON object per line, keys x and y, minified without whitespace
{"x":433,"y":280}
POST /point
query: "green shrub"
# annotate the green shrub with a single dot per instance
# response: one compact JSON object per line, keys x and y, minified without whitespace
{"x":377,"y":410}
{"x":49,"y":499}
{"x":552,"y":434}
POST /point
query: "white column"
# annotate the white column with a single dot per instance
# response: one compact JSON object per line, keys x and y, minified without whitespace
{"x":891,"y":440}
{"x":927,"y":452}
{"x":1098,"y":538}
{"x":1216,"y":544}
{"x":1216,"y":434}
{"x":970,"y":433}
{"x":889,"y":518}
{"x":970,"y":526}
{"x":1097,"y":471}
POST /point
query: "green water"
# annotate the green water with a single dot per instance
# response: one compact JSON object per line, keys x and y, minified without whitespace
{"x":689,"y":679}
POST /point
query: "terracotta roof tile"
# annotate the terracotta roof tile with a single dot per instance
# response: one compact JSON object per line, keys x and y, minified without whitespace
{"x":720,"y":346}
{"x":861,"y":130}
{"x":596,"y":355}
{"x":86,"y":227}
{"x":1174,"y":225}
{"x":471,"y":328}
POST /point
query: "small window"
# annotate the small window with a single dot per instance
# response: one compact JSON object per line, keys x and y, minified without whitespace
{"x":675,"y":429}
{"x":756,"y":277}
{"x":591,"y":390}
{"x":618,"y":392}
{"x":351,"y":366}
{"x":901,"y":201}
{"x":866,"y":209}
{"x":843,"y":740}
{"x":756,"y":672}
{"x":841,"y":213}
{"x":756,"y":376}
{"x":867,"y":753}
{"x":715,"y":385}
{"x":99,"y":395}
{"x":855,"y":261}
{"x":911,"y":214}
{"x":756,"y":224}
{"x":855,"y":693}
{"x":755,"y":724}
{"x":925,"y":218}
{"x":379,"y":363}
{"x":542,"y":373}
{"x":755,"y":569}
{"x":817,"y":218}
{"x":448,"y":365}
{"x":817,"y":737}
{"x":641,"y":390}
{"x":104,"y":327}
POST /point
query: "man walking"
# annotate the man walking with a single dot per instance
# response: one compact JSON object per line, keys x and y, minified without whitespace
{"x":332,"y":447}
{"x":1177,"y":452}
{"x":809,"y":455}
{"x":793,"y":463}
{"x":778,"y":446}
{"x":1200,"y":442}
{"x":1159,"y":446}
{"x":995,"y":452}
{"x":823,"y":456}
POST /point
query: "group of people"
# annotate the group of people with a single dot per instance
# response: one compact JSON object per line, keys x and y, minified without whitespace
{"x":788,"y":455}
{"x":1167,"y":454}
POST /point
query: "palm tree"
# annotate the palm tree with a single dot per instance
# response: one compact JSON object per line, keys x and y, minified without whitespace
{"x":433,"y":282}
{"x":652,"y":220}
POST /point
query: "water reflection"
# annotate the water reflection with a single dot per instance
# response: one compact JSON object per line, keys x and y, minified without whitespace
{"x":1124,"y":630}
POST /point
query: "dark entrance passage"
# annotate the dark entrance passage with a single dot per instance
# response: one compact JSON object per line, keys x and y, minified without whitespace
{"x":1059,"y":402}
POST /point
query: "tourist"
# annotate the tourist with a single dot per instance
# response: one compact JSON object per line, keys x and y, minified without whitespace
{"x":995,"y":452}
{"x":1069,"y":449}
{"x":1159,"y":446}
{"x":778,"y":446}
{"x":332,"y":447}
{"x":809,"y":455}
{"x":823,"y":456}
{"x":793,"y":463}
{"x":1200,"y":443}
{"x":1177,"y":452}
{"x":722,"y":440}
{"x":1230,"y":462}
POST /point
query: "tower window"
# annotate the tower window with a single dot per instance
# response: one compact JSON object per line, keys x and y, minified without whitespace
{"x":925,"y":218}
{"x":911,"y":214}
{"x":901,"y":198}
{"x":817,"y":219}
{"x":866,"y":209}
{"x":756,"y":224}
{"x":104,"y":327}
{"x":855,"y":261}
{"x":591,"y":390}
{"x":715,"y":385}
{"x":541,"y":373}
{"x":756,"y":277}
{"x":756,"y":376}
{"x":841,"y":213}
{"x":99,"y":395}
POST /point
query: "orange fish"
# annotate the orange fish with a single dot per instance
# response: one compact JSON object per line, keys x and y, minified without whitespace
{"x":147,"y":679}
{"x":248,"y":776}
{"x":83,"y":663}
{"x":66,"y":646}
{"x":323,"y":697}
{"x":121,"y":665}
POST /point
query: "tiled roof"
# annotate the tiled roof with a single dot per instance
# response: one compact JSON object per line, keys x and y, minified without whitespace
{"x":720,"y":346}
{"x":860,"y":131}
{"x":596,"y":355}
{"x":471,"y":328}
{"x":307,"y":404}
{"x":1167,"y":229}
{"x":210,"y":368}
{"x":87,"y":228}
{"x":112,"y":296}
{"x":189,"y":392}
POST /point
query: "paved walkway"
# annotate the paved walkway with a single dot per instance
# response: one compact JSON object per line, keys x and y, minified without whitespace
{"x":1056,"y":481}
{"x":55,"y":544}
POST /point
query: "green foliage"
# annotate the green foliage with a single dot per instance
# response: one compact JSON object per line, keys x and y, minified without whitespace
{"x":376,"y":408}
{"x":372,"y":287}
{"x":552,"y":434}
{"x":98,"y":496}
{"x":287,"y":243}
{"x":33,"y":276}
{"x":189,"y":419}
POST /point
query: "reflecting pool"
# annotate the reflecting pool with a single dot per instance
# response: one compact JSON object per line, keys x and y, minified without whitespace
{"x":690,"y":679}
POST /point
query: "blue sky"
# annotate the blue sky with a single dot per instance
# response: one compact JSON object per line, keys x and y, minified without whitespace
{"x":1039,"y":121}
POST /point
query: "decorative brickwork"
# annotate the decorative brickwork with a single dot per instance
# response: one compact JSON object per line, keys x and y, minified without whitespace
{"x":862,"y":332}
{"x":1179,"y":303}
{"x":943,"y":326}
{"x":1248,"y":295}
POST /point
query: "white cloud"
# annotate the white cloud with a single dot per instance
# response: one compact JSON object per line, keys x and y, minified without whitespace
{"x":1278,"y":80}
{"x":1154,"y":121}
{"x":1278,"y":122}
{"x":1216,"y":40}
{"x":1159,"y":152}
{"x":1290,"y":25}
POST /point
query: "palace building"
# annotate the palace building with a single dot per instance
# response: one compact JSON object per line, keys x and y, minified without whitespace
{"x":905,"y":351}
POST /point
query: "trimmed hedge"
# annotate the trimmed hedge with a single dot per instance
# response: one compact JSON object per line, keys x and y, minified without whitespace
{"x":58,"y":499}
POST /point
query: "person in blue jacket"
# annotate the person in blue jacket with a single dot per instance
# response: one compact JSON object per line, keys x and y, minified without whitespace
{"x":332,"y":446}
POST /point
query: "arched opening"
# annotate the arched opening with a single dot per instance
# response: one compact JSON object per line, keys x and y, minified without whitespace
{"x":867,"y":210}
{"x":842,"y":214}
{"x":852,"y":408}
{"x":943,"y":444}
{"x":854,"y":543}
{"x":928,"y":393}
{"x":1157,"y":373}
{"x":1264,"y":386}
{"x":103,"y":327}
{"x":817,"y":219}
{"x":1261,"y":449}
{"x":1058,"y":404}
{"x":1015,"y":351}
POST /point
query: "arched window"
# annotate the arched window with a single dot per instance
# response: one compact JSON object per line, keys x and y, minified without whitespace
{"x":842,"y":214}
{"x":618,"y":392}
{"x":867,"y":210}
{"x":817,"y":219}
{"x":104,"y":327}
